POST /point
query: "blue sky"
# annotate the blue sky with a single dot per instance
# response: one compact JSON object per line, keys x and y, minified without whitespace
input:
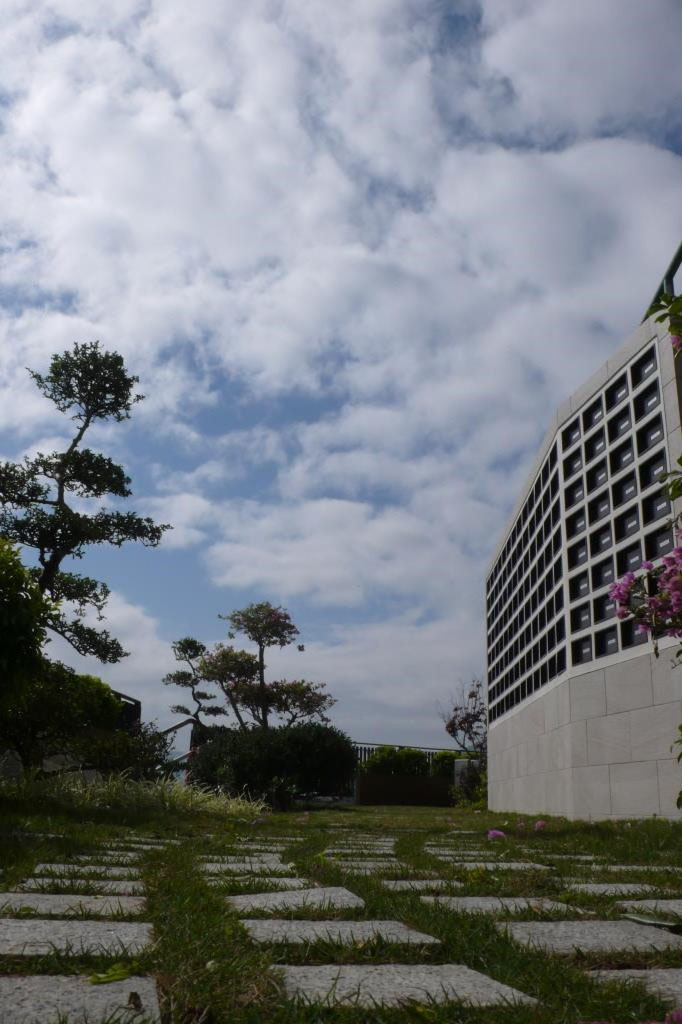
{"x":357,"y":253}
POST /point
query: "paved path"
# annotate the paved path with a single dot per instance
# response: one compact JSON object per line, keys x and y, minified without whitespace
{"x":94,"y":902}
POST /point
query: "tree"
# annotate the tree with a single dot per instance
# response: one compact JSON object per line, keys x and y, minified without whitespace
{"x":58,"y":712}
{"x":235,"y":673}
{"x":23,"y":619}
{"x":35,"y":495}
{"x":191,"y":653}
{"x":266,"y":626}
{"x":467,"y":723}
{"x":240,"y":675}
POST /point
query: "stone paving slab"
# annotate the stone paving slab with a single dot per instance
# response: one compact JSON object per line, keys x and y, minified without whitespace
{"x":70,"y":905}
{"x":278,"y":881}
{"x":332,"y":896}
{"x":638,"y":867}
{"x":42,"y":999}
{"x":500,"y":865}
{"x":566,"y":856}
{"x":230,"y":858}
{"x":105,"y":856}
{"x":670,"y":908}
{"x":33,"y":937}
{"x":609,"y":888}
{"x":367,"y":864}
{"x":86,"y":869}
{"x":395,"y":984}
{"x":344,"y":932}
{"x":255,"y":848}
{"x":448,"y":851}
{"x":664,"y":982}
{"x":102,"y":886}
{"x":420,"y":884}
{"x":495,"y":904}
{"x":590,"y":936}
{"x":369,"y":856}
{"x":378,"y":844}
{"x":244,"y":866}
{"x":271,"y":838}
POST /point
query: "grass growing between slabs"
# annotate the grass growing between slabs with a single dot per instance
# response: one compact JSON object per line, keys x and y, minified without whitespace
{"x":210,"y":973}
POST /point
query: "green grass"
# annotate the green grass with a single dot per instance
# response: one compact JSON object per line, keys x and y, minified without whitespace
{"x":210,"y":973}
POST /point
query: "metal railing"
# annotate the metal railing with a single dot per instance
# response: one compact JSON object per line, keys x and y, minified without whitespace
{"x":365,"y":750}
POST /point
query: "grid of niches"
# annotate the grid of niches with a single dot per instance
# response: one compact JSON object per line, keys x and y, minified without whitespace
{"x":525,"y":597}
{"x":616,"y":511}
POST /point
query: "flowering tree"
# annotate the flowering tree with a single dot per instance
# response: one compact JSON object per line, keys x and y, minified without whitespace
{"x":240,"y":675}
{"x":467,"y":722}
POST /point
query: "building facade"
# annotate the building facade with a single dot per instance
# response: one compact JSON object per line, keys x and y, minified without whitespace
{"x":582,"y":714}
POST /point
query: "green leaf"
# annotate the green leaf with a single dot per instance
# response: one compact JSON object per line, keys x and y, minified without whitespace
{"x":117,"y":972}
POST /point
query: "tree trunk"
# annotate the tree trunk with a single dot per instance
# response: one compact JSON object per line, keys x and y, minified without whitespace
{"x":263,"y":691}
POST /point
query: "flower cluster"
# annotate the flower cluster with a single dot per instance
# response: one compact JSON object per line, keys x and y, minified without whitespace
{"x":654,"y":597}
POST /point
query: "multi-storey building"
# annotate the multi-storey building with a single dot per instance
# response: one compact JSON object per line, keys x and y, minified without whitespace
{"x":582,"y":714}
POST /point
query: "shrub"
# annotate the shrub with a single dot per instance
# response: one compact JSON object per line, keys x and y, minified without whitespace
{"x":443,"y":763}
{"x":58,"y":712}
{"x":294,"y":760}
{"x":141,"y":752}
{"x":473,"y":793}
{"x":396,"y":761}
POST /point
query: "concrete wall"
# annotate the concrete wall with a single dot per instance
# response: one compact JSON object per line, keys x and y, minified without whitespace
{"x":596,"y":745}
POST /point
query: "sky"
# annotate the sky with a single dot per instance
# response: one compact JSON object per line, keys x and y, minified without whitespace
{"x":357,"y":254}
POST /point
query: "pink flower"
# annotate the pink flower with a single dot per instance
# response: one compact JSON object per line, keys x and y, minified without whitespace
{"x":521,"y":824}
{"x":494,"y":833}
{"x":676,"y":341}
{"x":540,"y":825}
{"x":674,"y":1017}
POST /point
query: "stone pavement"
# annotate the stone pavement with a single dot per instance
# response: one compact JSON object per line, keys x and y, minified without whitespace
{"x":395,"y":984}
{"x":111,"y":891}
{"x":366,"y":985}
{"x":74,"y":902}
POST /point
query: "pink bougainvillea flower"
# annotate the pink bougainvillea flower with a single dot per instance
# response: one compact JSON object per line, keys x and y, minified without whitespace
{"x":494,"y":833}
{"x":674,"y":1017}
{"x":540,"y":825}
{"x":676,"y":342}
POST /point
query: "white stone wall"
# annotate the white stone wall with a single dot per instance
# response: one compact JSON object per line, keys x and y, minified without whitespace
{"x":595,"y":745}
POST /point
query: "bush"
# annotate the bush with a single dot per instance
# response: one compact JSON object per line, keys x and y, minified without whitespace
{"x":277,"y":763}
{"x":473,"y":793}
{"x":443,"y":764}
{"x":396,"y":761}
{"x":141,"y":752}
{"x":58,"y":712}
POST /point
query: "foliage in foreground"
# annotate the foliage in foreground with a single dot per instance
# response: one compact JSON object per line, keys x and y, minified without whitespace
{"x":23,"y":617}
{"x":73,"y":791}
{"x":58,"y":712}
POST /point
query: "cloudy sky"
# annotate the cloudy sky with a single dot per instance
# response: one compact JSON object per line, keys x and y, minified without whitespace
{"x":357,"y":253}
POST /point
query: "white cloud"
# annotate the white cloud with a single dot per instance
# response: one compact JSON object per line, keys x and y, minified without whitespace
{"x":356,"y":255}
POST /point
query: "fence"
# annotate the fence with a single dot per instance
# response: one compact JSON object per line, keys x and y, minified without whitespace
{"x":365,"y":750}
